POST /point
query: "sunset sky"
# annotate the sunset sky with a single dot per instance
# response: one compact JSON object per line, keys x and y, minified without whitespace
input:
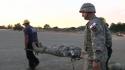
{"x":61,"y":13}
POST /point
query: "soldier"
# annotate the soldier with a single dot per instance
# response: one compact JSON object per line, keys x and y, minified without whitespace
{"x":61,"y":51}
{"x":96,"y":39}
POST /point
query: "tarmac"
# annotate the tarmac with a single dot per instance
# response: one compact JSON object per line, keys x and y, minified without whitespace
{"x":12,"y":53}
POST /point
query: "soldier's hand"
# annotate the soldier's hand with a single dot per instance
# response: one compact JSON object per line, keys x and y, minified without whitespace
{"x":83,"y":54}
{"x":96,"y":65}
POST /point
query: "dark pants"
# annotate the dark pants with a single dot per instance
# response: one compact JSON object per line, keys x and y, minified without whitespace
{"x":32,"y":59}
{"x":109,"y":56}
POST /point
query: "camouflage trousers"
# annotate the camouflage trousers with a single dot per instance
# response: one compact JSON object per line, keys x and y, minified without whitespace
{"x":61,"y":51}
{"x":87,"y":65}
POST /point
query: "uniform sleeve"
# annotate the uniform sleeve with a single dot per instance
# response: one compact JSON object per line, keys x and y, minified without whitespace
{"x":98,"y":40}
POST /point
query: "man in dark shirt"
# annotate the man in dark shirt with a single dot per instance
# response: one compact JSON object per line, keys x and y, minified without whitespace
{"x":30,"y":35}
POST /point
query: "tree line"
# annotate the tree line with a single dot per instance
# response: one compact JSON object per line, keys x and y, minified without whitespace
{"x":46,"y":27}
{"x":118,"y":27}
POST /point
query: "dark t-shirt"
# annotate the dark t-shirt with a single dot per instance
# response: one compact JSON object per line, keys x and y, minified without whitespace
{"x":32,"y":34}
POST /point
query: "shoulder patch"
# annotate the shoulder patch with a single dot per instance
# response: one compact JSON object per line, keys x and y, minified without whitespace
{"x":93,"y":26}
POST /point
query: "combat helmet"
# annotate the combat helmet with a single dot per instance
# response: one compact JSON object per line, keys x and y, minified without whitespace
{"x":87,"y":7}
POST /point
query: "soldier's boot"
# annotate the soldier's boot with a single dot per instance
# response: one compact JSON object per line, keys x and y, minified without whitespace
{"x":39,"y":49}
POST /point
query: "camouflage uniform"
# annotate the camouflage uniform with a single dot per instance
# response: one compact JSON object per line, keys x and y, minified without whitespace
{"x":96,"y":39}
{"x":61,"y":51}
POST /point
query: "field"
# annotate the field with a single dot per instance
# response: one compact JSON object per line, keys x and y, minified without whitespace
{"x":12,"y":53}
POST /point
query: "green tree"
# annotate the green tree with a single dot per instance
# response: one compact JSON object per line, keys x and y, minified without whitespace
{"x":113,"y":27}
{"x":18,"y":27}
{"x":10,"y":26}
{"x":2,"y":27}
{"x":47,"y":26}
{"x":55,"y":27}
{"x":81,"y":28}
{"x":119,"y":27}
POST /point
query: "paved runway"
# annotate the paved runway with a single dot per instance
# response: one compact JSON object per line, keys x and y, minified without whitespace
{"x":12,"y":54}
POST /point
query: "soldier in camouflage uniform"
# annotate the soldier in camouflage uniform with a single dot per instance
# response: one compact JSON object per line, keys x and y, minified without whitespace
{"x":97,"y":38}
{"x":61,"y":51}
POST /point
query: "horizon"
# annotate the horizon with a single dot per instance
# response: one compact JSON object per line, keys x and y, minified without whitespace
{"x":60,"y":13}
